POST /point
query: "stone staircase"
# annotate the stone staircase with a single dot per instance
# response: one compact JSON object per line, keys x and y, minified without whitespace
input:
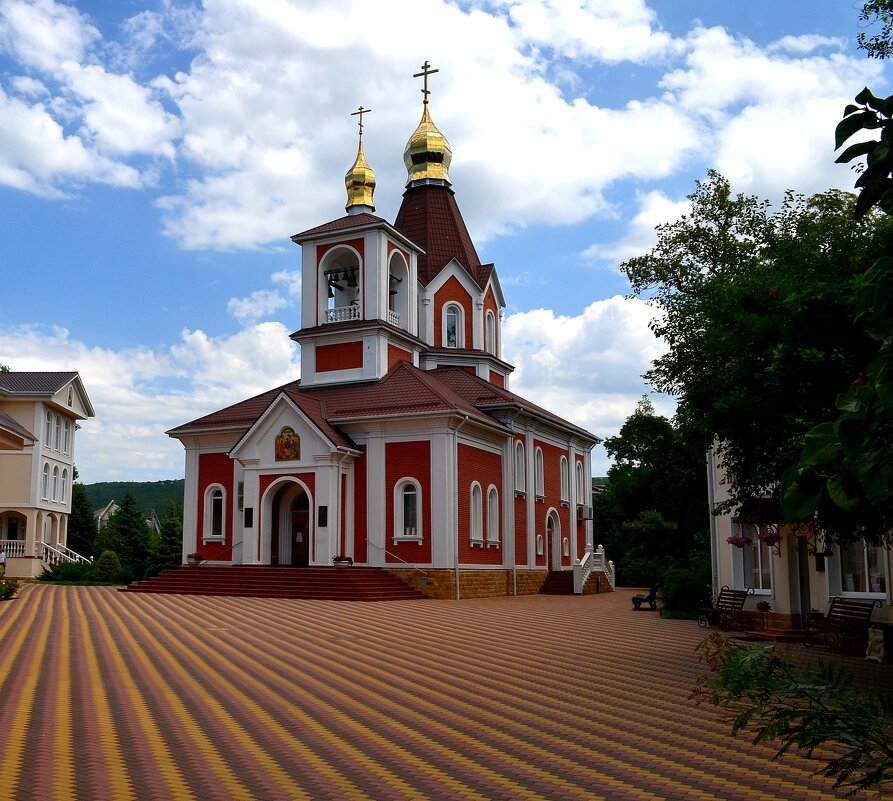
{"x":258,"y":581}
{"x":558,"y":582}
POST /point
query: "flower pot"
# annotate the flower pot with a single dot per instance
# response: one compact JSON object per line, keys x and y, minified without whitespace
{"x":191,"y":560}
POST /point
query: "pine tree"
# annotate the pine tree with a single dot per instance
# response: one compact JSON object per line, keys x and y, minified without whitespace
{"x":128,"y":536}
{"x":81,"y":523}
{"x":169,"y":552}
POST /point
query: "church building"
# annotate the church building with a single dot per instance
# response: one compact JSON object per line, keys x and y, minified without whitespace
{"x":402,"y":445}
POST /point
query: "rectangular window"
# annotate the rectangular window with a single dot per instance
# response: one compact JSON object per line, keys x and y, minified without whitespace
{"x":757,"y":559}
{"x":862,"y":569}
{"x":217,"y":515}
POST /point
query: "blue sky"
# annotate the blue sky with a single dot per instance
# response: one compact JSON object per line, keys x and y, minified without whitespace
{"x":155,"y":157}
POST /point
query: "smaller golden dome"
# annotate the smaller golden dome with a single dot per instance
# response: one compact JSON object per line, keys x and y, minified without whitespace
{"x":360,"y":182}
{"x":428,"y":154}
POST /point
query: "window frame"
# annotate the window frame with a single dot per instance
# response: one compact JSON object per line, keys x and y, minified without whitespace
{"x":400,"y":488}
{"x":539,"y":477}
{"x":492,"y":516}
{"x":868,"y":575}
{"x":64,"y":486}
{"x":476,"y":514}
{"x":452,"y":307}
{"x":55,"y":495}
{"x":57,"y":440}
{"x":565,"y":480}
{"x":66,"y":437}
{"x":208,"y":534}
{"x":520,"y":469}
{"x":45,"y":482}
{"x":48,"y":430}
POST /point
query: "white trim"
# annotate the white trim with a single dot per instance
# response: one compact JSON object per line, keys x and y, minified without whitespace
{"x":492,"y":507}
{"x":520,"y":475}
{"x":564,"y":471}
{"x":460,"y":325}
{"x":476,"y":512}
{"x":539,"y":467}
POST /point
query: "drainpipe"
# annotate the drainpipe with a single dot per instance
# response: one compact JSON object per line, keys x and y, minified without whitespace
{"x":456,"y":495}
{"x":711,"y":500}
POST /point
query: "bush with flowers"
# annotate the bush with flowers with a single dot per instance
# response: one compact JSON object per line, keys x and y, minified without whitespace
{"x":739,"y":540}
{"x":8,"y":588}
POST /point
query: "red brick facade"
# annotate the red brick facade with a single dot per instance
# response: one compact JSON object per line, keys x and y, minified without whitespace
{"x":340,"y":356}
{"x":485,"y":467}
{"x":396,"y":355}
{"x":408,"y":460}
{"x":216,"y":468}
{"x":452,"y":290}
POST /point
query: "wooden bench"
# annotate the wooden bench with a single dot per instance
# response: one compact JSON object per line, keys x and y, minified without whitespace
{"x":845,"y":625}
{"x":727,"y":611}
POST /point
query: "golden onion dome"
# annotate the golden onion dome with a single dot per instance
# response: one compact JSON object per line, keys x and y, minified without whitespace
{"x":360,"y":182}
{"x":428,"y":154}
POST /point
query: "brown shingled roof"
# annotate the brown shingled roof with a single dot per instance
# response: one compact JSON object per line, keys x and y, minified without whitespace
{"x":7,"y":423}
{"x":16,"y":383}
{"x":362,"y":220}
{"x":430,"y":217}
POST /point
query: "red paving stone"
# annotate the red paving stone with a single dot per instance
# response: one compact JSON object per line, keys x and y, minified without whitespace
{"x":107,"y":696}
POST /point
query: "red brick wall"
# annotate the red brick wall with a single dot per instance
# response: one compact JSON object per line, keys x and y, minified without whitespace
{"x":359,"y":509}
{"x":215,"y":468}
{"x":452,"y":290}
{"x":356,"y":244}
{"x":485,"y":467}
{"x":412,"y":459}
{"x":340,"y":356}
{"x":396,"y":354}
{"x":497,"y":378}
{"x":552,"y":486}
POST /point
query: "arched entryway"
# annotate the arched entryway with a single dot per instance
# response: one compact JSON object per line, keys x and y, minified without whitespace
{"x":291,"y":532}
{"x":553,"y":540}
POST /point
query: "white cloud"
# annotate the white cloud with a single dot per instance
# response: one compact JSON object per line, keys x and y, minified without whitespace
{"x":260,"y":303}
{"x":586,"y":368}
{"x":43,"y":34}
{"x":655,"y":208}
{"x":138,"y":393}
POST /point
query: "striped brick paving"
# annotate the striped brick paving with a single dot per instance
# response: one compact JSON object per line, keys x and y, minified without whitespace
{"x":107,"y":696}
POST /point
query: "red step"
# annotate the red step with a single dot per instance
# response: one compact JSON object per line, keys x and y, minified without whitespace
{"x":260,"y":581}
{"x":558,"y":582}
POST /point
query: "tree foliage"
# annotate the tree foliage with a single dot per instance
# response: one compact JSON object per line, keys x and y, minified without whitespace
{"x":757,"y":310}
{"x":804,"y":708}
{"x":81,"y":523}
{"x":127,"y":535}
{"x":169,"y":552}
{"x":877,"y":12}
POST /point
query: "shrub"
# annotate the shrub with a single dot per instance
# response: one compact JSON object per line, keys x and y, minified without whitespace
{"x":108,"y":567}
{"x":685,"y":589}
{"x":68,"y":571}
{"x":8,"y":588}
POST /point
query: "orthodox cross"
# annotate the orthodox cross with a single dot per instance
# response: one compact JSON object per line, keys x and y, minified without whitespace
{"x":426,"y":71}
{"x":361,"y":111}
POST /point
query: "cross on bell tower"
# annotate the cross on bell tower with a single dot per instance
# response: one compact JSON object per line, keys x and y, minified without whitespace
{"x":426,"y":71}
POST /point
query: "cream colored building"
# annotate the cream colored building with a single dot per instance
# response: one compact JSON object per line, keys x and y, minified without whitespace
{"x":39,"y":416}
{"x":788,"y":568}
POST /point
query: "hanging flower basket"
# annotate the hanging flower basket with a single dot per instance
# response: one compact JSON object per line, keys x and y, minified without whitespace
{"x":770,"y":536}
{"x":739,"y":541}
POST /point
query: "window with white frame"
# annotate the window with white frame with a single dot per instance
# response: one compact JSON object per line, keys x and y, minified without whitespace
{"x":407,"y":510}
{"x":492,"y":515}
{"x":55,"y":483}
{"x":64,"y":493}
{"x":48,"y":430}
{"x":66,"y":437}
{"x":565,"y":480}
{"x":45,"y":486}
{"x":215,"y":512}
{"x":477,"y":521}
{"x":58,"y":443}
{"x":520,"y":468}
{"x":539,"y":481}
{"x":755,"y":558}
{"x":539,"y":545}
{"x":862,"y":569}
{"x":453,"y":326}
{"x":490,"y":333}
{"x":581,"y":485}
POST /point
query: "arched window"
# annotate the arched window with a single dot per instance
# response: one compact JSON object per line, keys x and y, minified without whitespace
{"x":215,"y":512}
{"x":492,"y":515}
{"x":453,"y":326}
{"x":564,"y":480}
{"x":66,"y":437}
{"x":64,"y":493}
{"x":581,"y":485}
{"x":490,"y":333}
{"x":539,"y":544}
{"x":520,"y":468}
{"x":340,"y":285}
{"x":58,"y":444}
{"x":407,"y":510}
{"x":48,"y":430}
{"x":45,"y":486}
{"x":55,"y":483}
{"x":538,"y":473}
{"x":477,"y":528}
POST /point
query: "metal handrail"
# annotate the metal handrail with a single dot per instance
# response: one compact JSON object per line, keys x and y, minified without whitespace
{"x":220,"y":553}
{"x":388,"y":553}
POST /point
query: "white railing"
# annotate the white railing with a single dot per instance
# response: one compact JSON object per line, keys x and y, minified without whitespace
{"x":341,"y":314}
{"x":592,"y":561}
{"x":13,"y":548}
{"x":54,"y":555}
{"x":393,"y":318}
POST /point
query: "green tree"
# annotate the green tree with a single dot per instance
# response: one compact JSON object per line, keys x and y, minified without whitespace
{"x":652,"y":514}
{"x":877,"y":12}
{"x":127,"y":535}
{"x":81,"y":523}
{"x":756,"y":308}
{"x":169,"y":552}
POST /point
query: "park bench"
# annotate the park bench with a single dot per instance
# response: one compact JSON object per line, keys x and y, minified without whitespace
{"x":727,"y":612}
{"x":650,"y":599}
{"x":845,"y":625}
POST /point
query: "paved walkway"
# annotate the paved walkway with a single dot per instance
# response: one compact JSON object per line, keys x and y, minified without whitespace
{"x":110,"y":696}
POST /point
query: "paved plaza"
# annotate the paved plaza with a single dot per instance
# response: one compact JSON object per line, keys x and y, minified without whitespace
{"x":108,"y":695}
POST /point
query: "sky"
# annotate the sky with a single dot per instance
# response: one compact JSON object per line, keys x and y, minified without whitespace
{"x":156,"y":156}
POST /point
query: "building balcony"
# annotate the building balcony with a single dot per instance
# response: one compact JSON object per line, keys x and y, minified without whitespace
{"x":342,"y":314}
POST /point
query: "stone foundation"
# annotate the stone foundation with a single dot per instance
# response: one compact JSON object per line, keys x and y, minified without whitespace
{"x":597,"y":583}
{"x":472,"y":583}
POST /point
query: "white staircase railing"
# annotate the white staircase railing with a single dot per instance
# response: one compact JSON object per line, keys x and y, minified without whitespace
{"x":592,"y":561}
{"x":13,"y":548}
{"x":55,"y":554}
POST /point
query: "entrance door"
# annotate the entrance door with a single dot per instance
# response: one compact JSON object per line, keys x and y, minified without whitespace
{"x":553,"y":550}
{"x":300,"y":532}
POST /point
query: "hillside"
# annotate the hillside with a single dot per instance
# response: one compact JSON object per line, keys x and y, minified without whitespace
{"x":157,"y":495}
